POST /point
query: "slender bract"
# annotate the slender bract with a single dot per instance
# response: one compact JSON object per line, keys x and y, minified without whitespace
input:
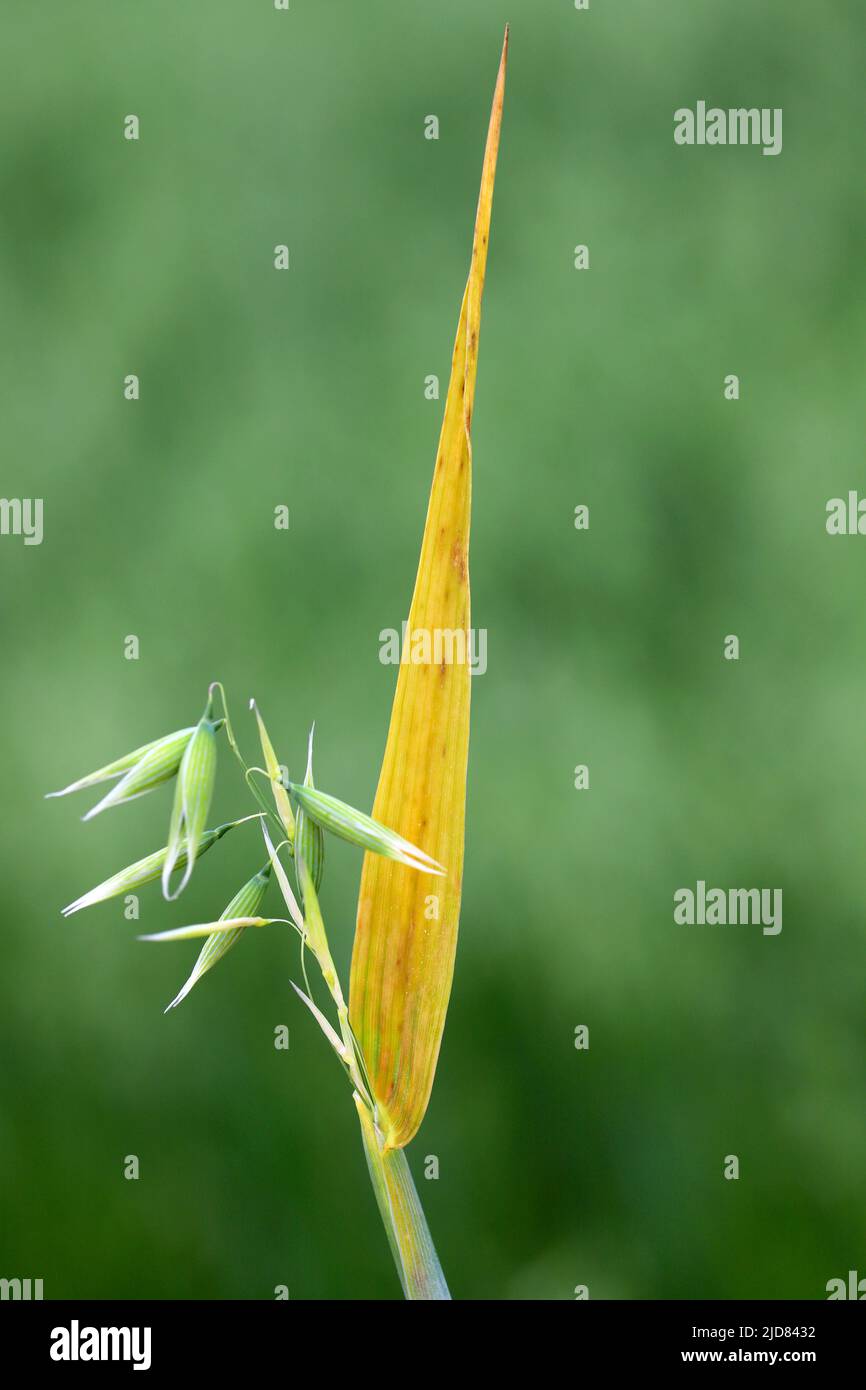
{"x":274,"y":771}
{"x":283,"y":880}
{"x":330,"y":1033}
{"x":406,"y":934}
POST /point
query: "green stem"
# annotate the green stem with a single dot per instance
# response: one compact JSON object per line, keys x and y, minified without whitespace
{"x":402,"y":1215}
{"x":233,"y":744}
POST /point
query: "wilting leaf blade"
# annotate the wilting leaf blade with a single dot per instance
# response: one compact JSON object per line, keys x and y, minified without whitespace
{"x":405,"y":942}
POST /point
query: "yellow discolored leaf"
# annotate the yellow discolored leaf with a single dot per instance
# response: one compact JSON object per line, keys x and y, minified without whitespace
{"x":406,"y":933}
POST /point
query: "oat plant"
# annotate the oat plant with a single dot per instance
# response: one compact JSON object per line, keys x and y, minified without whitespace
{"x":386,"y":1037}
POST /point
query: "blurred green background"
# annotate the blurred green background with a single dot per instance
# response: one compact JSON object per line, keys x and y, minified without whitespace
{"x":604,"y":387}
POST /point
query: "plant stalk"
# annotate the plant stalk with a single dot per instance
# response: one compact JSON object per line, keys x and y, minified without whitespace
{"x":402,"y":1215}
